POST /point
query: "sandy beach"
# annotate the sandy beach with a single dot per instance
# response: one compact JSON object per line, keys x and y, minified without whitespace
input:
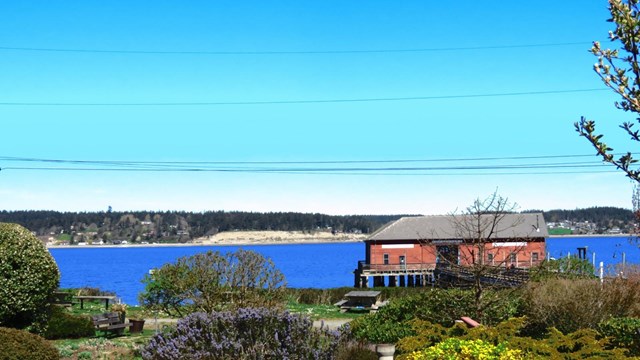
{"x":235,"y":238}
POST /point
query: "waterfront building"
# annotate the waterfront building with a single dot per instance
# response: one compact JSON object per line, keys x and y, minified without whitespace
{"x":409,"y":251}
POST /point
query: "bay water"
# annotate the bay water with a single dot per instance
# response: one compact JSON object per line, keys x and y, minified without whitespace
{"x":121,"y":269}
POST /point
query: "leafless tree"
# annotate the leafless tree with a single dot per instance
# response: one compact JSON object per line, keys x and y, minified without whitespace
{"x":476,"y":228}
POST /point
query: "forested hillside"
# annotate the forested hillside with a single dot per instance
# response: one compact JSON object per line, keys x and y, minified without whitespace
{"x":150,"y":226}
{"x":182,"y":226}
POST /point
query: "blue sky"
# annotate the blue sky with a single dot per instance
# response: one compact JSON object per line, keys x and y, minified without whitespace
{"x":473,"y":48}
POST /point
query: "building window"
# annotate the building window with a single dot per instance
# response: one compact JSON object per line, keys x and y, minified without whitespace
{"x":490,"y":258}
{"x":385,"y":259}
{"x":534,"y":256}
{"x":512,"y":257}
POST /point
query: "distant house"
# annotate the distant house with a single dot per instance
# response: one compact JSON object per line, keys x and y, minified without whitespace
{"x":413,"y":247}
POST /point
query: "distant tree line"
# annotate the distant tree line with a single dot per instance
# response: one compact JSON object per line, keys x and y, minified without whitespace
{"x":137,"y":226}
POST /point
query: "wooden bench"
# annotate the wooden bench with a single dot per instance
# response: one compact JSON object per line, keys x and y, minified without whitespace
{"x":109,"y":323}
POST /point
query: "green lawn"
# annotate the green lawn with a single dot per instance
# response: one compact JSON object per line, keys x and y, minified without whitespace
{"x":560,"y":231}
{"x":317,"y":312}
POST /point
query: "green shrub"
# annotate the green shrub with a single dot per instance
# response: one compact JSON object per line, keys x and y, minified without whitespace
{"x":439,"y":306}
{"x":379,"y":330}
{"x":623,"y":332}
{"x":29,"y":278}
{"x":21,"y":345}
{"x":63,"y":325}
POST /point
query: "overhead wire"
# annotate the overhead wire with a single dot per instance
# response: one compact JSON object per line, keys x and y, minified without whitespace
{"x":312,"y":101}
{"x":288,"y":52}
{"x":319,"y":167}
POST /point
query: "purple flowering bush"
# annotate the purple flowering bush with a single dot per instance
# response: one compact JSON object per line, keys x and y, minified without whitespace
{"x":244,"y":334}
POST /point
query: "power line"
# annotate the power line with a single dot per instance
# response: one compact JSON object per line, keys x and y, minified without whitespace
{"x":289,"y":52}
{"x":509,"y":165}
{"x":315,"y":173}
{"x":139,"y":162}
{"x":315,"y":101}
{"x":321,"y":170}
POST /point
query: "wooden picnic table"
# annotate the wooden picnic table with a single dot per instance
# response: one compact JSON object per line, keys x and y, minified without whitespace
{"x":106,"y":299}
{"x":360,"y":300}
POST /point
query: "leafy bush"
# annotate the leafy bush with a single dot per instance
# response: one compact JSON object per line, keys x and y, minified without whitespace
{"x":439,"y":306}
{"x":379,"y":329}
{"x":63,"y":325}
{"x":29,"y":278}
{"x":569,"y":305}
{"x":453,"y":348}
{"x":21,"y":345}
{"x":623,"y":332}
{"x":243,"y":334}
{"x":213,"y":281}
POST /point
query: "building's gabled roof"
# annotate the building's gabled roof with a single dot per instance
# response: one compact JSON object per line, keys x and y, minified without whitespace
{"x":509,"y":226}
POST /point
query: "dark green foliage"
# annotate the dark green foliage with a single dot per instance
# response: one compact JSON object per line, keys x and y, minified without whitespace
{"x":597,"y":214}
{"x":63,"y":325}
{"x":214,"y":281}
{"x":623,"y":332}
{"x":21,"y":345}
{"x":438,"y":306}
{"x":28,"y":277}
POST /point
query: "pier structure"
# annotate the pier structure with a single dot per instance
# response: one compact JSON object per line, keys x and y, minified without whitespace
{"x":406,"y":275}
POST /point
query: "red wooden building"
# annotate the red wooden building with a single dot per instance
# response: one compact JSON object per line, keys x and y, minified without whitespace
{"x":409,"y":249}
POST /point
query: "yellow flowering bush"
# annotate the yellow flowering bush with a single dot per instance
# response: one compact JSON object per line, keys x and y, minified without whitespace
{"x":454,"y":349}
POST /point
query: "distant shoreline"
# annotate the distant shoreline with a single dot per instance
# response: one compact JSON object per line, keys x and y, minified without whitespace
{"x":592,"y":235}
{"x":241,"y":238}
{"x":293,"y":240}
{"x":239,"y":243}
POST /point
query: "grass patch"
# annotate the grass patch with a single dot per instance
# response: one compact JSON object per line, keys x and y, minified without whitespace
{"x":63,"y":237}
{"x":560,"y":231}
{"x":317,"y":312}
{"x":123,"y":347}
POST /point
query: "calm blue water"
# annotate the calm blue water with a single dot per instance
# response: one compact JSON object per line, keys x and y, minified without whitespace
{"x":309,"y":265}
